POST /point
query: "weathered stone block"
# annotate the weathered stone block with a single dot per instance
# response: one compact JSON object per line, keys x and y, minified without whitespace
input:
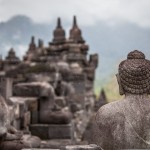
{"x":40,"y":130}
{"x":24,"y":104}
{"x":24,"y":89}
{"x":52,"y":131}
{"x":60,"y":131}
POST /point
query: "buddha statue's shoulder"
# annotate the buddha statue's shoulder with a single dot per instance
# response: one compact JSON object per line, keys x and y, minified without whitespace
{"x":109,"y":113}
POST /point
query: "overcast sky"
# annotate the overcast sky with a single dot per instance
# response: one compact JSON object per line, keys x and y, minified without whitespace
{"x":89,"y":12}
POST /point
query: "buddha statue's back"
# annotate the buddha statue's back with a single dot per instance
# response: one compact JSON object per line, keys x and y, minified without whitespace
{"x":125,"y":124}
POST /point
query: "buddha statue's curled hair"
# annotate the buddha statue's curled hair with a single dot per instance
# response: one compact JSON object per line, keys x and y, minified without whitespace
{"x":134,"y":73}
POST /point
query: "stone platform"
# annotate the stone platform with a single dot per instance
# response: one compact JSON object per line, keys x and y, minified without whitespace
{"x":53,"y":131}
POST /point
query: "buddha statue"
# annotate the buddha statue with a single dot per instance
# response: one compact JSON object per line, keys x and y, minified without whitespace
{"x":49,"y":111}
{"x":125,"y":124}
{"x":53,"y":113}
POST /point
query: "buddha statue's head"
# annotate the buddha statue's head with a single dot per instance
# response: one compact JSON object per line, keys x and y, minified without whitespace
{"x":134,"y":74}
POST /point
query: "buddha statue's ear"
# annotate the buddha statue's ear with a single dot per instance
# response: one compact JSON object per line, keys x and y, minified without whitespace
{"x":121,"y":91}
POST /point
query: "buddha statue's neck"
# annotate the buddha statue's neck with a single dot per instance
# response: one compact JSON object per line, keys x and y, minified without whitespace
{"x":136,"y":96}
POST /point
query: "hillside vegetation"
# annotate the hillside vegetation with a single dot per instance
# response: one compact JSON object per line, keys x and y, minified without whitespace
{"x":111,"y":89}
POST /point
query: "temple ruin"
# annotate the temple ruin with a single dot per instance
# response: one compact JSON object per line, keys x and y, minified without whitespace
{"x":51,"y":89}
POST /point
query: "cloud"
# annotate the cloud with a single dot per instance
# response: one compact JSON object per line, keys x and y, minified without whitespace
{"x":89,"y":12}
{"x":20,"y":49}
